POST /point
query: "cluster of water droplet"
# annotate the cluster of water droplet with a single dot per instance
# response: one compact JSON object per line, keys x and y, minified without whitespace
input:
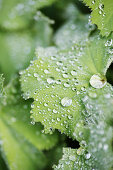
{"x":72,"y":159}
{"x":101,"y":9}
{"x":109,"y":46}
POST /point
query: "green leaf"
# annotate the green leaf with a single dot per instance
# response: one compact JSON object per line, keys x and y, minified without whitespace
{"x":99,"y":120}
{"x":102,"y":14}
{"x":19,"y":14}
{"x":20,"y":141}
{"x":74,"y":159}
{"x":76,"y":28}
{"x":58,"y":77}
{"x":19,"y":46}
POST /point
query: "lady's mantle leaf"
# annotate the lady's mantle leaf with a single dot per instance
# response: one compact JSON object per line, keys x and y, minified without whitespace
{"x":102,"y":14}
{"x":56,"y":79}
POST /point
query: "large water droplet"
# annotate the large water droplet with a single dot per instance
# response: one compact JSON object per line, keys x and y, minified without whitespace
{"x":66,"y":102}
{"x":98,"y":81}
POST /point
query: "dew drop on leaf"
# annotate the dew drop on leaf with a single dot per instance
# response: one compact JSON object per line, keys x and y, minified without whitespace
{"x":46,"y":71}
{"x":73,"y":72}
{"x":97,"y":81}
{"x":65,"y":75}
{"x":92,"y":94}
{"x":88,"y":155}
{"x":33,"y":122}
{"x":66,"y":84}
{"x":66,"y":102}
{"x":93,"y":2}
{"x":80,"y":151}
{"x":35,"y":75}
{"x":50,"y":80}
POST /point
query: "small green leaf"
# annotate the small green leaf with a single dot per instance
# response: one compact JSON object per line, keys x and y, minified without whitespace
{"x":102,"y":14}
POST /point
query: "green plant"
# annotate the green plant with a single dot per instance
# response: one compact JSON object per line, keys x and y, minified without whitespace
{"x":65,"y":87}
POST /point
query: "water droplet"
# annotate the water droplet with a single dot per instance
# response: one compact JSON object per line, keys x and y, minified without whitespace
{"x":107,"y":95}
{"x":98,"y":81}
{"x":105,"y":147}
{"x":58,"y":119}
{"x":101,"y":9}
{"x":53,"y":58}
{"x":73,"y":72}
{"x":109,"y":43}
{"x":59,"y":63}
{"x":70,"y":117}
{"x":66,"y":102}
{"x":66,"y":84}
{"x":74,"y":89}
{"x":35,"y":75}
{"x":58,"y":81}
{"x":33,"y":122}
{"x":46,"y":71}
{"x":50,"y":80}
{"x":80,"y":151}
{"x":101,"y":6}
{"x":92,"y":94}
{"x":83,"y":88}
{"x":88,"y":155}
{"x":83,"y":143}
{"x":45,"y":104}
{"x":65,"y":75}
{"x":93,"y":2}
{"x":32,"y":106}
{"x":54,"y":111}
